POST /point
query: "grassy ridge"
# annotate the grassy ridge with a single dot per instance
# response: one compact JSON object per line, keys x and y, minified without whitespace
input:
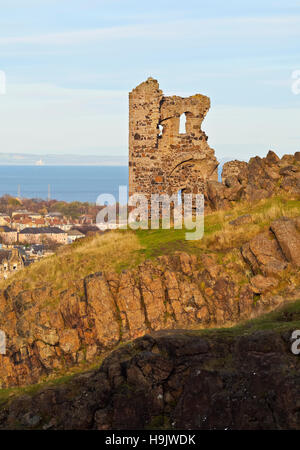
{"x":218,"y":233}
{"x":72,"y":263}
{"x":118,"y":250}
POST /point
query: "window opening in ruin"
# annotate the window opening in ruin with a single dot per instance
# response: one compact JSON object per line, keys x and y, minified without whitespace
{"x":182,"y":122}
{"x":160,"y":130}
{"x":179,"y":197}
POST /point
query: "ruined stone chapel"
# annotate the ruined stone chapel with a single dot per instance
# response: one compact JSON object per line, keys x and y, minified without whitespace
{"x":163,"y":158}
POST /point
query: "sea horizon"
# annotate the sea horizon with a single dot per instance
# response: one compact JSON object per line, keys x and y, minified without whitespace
{"x":72,"y":182}
{"x":68,"y":183}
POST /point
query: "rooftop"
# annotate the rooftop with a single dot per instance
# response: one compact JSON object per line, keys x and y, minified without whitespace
{"x":4,"y":254}
{"x":42,"y":230}
{"x":75,"y":233}
{"x":12,"y":255}
{"x":54,"y":214}
{"x":6,"y":229}
{"x":21,"y":211}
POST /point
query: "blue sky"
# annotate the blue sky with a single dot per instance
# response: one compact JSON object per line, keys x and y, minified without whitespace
{"x":70,"y":64}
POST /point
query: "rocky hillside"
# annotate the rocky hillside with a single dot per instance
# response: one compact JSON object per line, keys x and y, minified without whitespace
{"x":173,"y":291}
{"x":239,"y":378}
{"x":65,"y":314}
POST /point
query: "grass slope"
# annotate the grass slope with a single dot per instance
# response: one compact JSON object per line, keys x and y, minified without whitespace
{"x":118,"y":250}
{"x":219,"y":235}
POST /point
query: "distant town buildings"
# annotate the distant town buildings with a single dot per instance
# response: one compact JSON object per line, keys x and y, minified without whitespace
{"x":8,"y":235}
{"x":41,"y":234}
{"x":30,"y":228}
{"x":73,"y":235}
{"x":27,"y":236}
{"x":34,"y":228}
{"x":4,"y":219}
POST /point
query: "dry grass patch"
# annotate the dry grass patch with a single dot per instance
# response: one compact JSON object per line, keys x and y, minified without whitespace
{"x":220,"y":235}
{"x":71,"y":264}
{"x":230,"y":237}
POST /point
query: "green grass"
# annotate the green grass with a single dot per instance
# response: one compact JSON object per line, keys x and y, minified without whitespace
{"x":216,"y":225}
{"x":9,"y":393}
{"x":283,"y":319}
{"x":53,"y":380}
{"x":158,"y":242}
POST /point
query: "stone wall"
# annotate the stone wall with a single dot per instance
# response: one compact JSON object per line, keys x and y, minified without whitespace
{"x":161,"y":160}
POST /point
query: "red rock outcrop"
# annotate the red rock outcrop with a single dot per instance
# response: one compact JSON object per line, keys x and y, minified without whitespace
{"x":259,"y":178}
{"x":176,"y":291}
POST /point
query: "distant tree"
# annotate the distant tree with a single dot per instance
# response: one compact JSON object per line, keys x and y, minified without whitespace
{"x":49,"y":244}
{"x":43,"y":211}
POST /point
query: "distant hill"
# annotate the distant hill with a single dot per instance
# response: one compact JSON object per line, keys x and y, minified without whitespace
{"x":22,"y":159}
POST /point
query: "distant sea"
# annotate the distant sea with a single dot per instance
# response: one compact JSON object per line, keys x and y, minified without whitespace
{"x":68,"y":183}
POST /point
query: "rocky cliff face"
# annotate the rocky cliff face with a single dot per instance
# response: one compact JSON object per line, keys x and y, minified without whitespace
{"x":170,"y":292}
{"x":260,"y":178}
{"x":245,"y":379}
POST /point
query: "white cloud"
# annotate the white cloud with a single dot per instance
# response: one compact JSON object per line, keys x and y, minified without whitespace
{"x":245,"y":27}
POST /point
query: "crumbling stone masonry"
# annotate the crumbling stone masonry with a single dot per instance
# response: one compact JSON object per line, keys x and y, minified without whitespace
{"x":161,"y":159}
